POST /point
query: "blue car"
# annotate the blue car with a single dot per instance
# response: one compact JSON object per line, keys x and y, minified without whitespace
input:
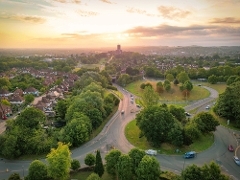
{"x":190,"y":154}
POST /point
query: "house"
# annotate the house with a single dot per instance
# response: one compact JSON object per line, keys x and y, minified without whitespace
{"x":4,"y":93}
{"x":15,"y":99}
{"x":31,"y":90}
{"x":5,"y":111}
{"x":18,"y":92}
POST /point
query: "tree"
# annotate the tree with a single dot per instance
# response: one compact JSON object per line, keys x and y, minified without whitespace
{"x":148,"y":168}
{"x":192,"y":172}
{"x":111,"y":161}
{"x":61,"y":109}
{"x":28,"y":98}
{"x":14,"y":176}
{"x":77,"y":131}
{"x":31,"y":118}
{"x":170,"y":77}
{"x":182,"y":77}
{"x":213,"y":79}
{"x":149,"y":97}
{"x":123,"y":79}
{"x":228,"y":104}
{"x":5,"y":102}
{"x":213,"y":171}
{"x":187,"y":85}
{"x":37,"y":170}
{"x":99,"y":169}
{"x":206,"y":122}
{"x":4,"y":83}
{"x":233,"y":79}
{"x":93,"y":176}
{"x":59,"y":162}
{"x":124,"y":167}
{"x":136,"y":155}
{"x":159,"y":87}
{"x":155,"y":123}
{"x":178,"y":113}
{"x":90,"y":159}
{"x":75,"y":164}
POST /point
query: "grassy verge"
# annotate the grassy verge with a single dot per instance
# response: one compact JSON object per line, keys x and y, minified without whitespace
{"x":132,"y":134}
{"x":173,"y":95}
{"x":83,"y":174}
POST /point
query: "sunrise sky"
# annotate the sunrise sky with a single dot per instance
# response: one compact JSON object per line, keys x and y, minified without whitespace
{"x":105,"y":23}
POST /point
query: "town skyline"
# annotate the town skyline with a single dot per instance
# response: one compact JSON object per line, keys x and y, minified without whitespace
{"x":105,"y":23}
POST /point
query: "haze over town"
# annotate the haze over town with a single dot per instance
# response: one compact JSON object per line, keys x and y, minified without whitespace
{"x":105,"y":23}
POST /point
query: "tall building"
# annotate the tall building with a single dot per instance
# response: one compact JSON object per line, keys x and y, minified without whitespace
{"x":118,"y":51}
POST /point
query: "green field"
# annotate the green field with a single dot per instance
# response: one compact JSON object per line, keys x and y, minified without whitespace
{"x":132,"y":134}
{"x":173,"y":95}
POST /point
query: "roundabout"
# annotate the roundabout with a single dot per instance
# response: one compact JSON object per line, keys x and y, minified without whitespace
{"x":112,"y":136}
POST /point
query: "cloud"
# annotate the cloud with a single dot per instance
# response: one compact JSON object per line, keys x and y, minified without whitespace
{"x":195,"y":30}
{"x":227,"y":20}
{"x":87,"y":13}
{"x":138,"y":11}
{"x":69,"y":1}
{"x":25,"y":18}
{"x":170,"y":12}
{"x":107,"y":1}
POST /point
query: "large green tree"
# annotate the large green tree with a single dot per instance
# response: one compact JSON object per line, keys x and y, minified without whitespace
{"x":77,"y":131}
{"x":124,"y":167}
{"x":149,"y":97}
{"x":182,"y":77}
{"x":59,"y":162}
{"x":136,"y":155}
{"x":192,"y":172}
{"x":30,"y":118}
{"x":111,"y":161}
{"x":148,"y":168}
{"x":93,"y":176}
{"x":37,"y":170}
{"x":155,"y":123}
{"x":228,"y":104}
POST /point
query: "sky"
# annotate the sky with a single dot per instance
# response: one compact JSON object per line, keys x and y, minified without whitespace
{"x":106,"y":23}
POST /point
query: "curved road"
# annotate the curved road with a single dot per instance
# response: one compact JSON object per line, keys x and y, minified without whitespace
{"x":112,"y":136}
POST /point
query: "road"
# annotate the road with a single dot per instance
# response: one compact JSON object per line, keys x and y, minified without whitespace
{"x":112,"y":136}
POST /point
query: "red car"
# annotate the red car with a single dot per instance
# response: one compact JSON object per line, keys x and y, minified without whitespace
{"x":230,"y":148}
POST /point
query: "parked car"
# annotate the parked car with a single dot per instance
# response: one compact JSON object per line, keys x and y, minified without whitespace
{"x":122,"y":112}
{"x":138,"y":106}
{"x":230,"y":148}
{"x":151,"y":152}
{"x":207,"y":107}
{"x":236,"y":160}
{"x":190,"y":154}
{"x":187,"y":114}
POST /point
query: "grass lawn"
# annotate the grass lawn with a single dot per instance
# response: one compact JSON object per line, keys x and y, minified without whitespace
{"x":82,"y":175}
{"x":173,"y":95}
{"x":132,"y":134}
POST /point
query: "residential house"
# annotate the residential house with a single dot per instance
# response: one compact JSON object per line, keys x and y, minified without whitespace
{"x":31,"y":90}
{"x":4,"y":93}
{"x":5,"y":111}
{"x":16,"y":99}
{"x":18,"y":92}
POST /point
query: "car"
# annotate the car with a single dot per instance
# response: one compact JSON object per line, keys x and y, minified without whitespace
{"x":199,"y":85}
{"x":187,"y":114}
{"x":207,"y":107}
{"x":190,"y":154}
{"x":122,"y":112}
{"x":236,"y":160}
{"x":138,"y":105}
{"x":230,"y":148}
{"x":151,"y":152}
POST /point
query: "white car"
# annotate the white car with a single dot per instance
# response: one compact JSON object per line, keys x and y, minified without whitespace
{"x":151,"y":152}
